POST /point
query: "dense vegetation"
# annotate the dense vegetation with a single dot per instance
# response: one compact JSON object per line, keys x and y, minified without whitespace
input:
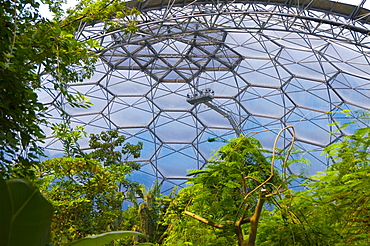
{"x":87,"y":189}
{"x":334,"y":209}
{"x":238,"y":199}
{"x":33,"y":47}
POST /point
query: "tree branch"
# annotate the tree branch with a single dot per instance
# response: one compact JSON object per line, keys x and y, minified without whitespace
{"x":197,"y":217}
{"x":254,"y":219}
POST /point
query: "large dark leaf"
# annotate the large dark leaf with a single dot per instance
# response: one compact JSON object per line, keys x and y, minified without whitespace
{"x":25,"y":215}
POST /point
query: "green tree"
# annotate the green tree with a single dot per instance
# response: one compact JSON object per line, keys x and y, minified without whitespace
{"x":88,"y":189}
{"x":225,"y":197}
{"x":334,"y":210}
{"x":149,"y":207}
{"x":32,"y":47}
{"x":26,"y":217}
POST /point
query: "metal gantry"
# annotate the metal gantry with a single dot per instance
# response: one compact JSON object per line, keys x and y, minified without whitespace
{"x":206,"y":96}
{"x":271,"y":63}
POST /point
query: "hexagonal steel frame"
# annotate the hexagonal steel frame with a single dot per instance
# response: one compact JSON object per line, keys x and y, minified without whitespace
{"x":270,"y":63}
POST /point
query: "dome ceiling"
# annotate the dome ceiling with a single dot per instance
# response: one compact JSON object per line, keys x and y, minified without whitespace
{"x":269,"y":65}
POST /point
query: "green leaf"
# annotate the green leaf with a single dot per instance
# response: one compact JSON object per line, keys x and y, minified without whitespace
{"x":104,"y":238}
{"x":25,"y":215}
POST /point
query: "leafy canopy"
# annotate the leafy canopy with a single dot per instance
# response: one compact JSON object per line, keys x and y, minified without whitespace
{"x":334,"y":209}
{"x":218,"y":194}
{"x":34,"y":49}
{"x":88,"y":189}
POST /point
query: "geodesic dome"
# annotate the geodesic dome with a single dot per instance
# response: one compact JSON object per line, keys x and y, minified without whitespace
{"x":269,"y":64}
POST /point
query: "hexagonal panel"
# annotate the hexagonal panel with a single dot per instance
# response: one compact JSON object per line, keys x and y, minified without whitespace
{"x":352,"y":89}
{"x":265,"y":102}
{"x":169,"y":156}
{"x":311,"y":127}
{"x":171,"y":96}
{"x":312,"y":94}
{"x":131,"y":111}
{"x":173,"y":127}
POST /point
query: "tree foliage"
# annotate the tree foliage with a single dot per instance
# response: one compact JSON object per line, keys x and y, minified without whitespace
{"x":88,"y":191}
{"x":149,"y":206}
{"x":334,"y":210}
{"x":33,"y":47}
{"x":222,"y":196}
{"x":26,"y":217}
